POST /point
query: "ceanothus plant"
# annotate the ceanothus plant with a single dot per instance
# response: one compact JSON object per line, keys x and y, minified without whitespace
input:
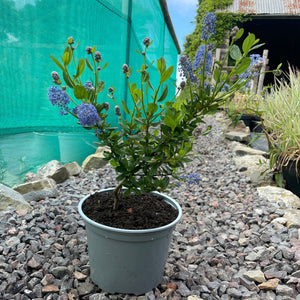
{"x":154,"y":138}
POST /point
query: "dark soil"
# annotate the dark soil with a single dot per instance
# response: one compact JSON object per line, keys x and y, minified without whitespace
{"x":143,"y":211}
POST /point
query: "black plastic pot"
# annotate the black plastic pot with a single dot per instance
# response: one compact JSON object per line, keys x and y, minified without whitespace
{"x":252,"y":121}
{"x":291,"y":176}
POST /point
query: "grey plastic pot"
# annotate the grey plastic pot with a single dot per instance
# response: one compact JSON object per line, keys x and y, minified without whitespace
{"x":128,"y":261}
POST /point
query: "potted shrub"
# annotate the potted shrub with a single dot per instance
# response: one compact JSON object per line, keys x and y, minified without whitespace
{"x":152,"y":142}
{"x":280,"y":111}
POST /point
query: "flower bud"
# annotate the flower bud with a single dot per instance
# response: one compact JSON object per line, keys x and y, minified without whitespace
{"x":111,"y":90}
{"x":106,"y":105}
{"x":88,"y":50}
{"x":182,"y":85}
{"x":70,"y":40}
{"x":146,"y":42}
{"x":55,"y":76}
{"x":63,"y":88}
{"x":144,"y":53}
{"x":234,"y":31}
{"x":98,"y":56}
{"x":117,"y":110}
{"x":125,"y":68}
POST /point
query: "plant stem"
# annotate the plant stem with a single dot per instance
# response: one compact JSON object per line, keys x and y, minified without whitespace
{"x":116,"y":194}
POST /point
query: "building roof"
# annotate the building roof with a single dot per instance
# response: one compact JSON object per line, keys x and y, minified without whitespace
{"x":164,"y":7}
{"x":266,"y":7}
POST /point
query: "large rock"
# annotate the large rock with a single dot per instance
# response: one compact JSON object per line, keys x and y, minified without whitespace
{"x":9,"y":197}
{"x":239,"y":133}
{"x":55,"y":170}
{"x":95,"y":161}
{"x":242,"y":150}
{"x":37,"y":190}
{"x":249,"y":165}
{"x":73,"y":168}
{"x":293,"y":218}
{"x":279,"y":195}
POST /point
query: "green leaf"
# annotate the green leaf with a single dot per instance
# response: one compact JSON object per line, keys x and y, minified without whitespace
{"x":57,"y":63}
{"x":235,"y":52}
{"x":67,"y":57}
{"x":217,"y":74}
{"x":80,"y":92}
{"x":125,"y":108}
{"x":89,"y":65}
{"x":80,"y":67}
{"x":166,"y":74}
{"x":94,"y":49}
{"x":105,"y":65}
{"x":161,"y":65}
{"x":164,"y":94}
{"x":113,"y":163}
{"x":152,"y":108}
{"x":244,"y":65}
{"x":239,"y":33}
{"x":68,"y":80}
{"x":100,"y":86}
{"x":145,"y":76}
{"x":257,"y":46}
{"x":248,"y":42}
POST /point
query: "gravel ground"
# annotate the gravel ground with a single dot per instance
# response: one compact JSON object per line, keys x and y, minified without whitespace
{"x":225,"y":246}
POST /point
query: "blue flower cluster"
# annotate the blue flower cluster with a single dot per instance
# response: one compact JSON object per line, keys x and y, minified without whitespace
{"x":88,"y":85}
{"x":59,"y":97}
{"x":186,"y":68}
{"x":253,"y":70}
{"x":208,"y":26}
{"x":199,"y":60}
{"x":190,"y":179}
{"x":87,"y":115}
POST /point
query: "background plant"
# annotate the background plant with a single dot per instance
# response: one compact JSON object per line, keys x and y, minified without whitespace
{"x":225,"y":21}
{"x":281,"y":114}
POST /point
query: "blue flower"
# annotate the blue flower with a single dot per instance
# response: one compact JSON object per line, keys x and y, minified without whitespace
{"x":88,"y":85}
{"x":256,"y":62}
{"x":59,"y":97}
{"x":190,"y":179}
{"x":186,"y":68}
{"x":199,"y":60}
{"x":87,"y":115}
{"x":208,"y":26}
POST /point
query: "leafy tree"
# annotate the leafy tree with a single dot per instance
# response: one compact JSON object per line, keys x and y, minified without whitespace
{"x":224,"y":23}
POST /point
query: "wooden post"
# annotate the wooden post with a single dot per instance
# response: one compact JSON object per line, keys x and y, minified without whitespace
{"x":263,"y":69}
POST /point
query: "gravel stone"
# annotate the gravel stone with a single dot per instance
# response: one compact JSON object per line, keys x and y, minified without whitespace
{"x":227,"y":230}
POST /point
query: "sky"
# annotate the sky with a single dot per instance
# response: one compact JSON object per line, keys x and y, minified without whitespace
{"x":182,"y":13}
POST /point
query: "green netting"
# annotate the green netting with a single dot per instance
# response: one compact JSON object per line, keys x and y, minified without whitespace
{"x":31,"y":30}
{"x":31,"y":131}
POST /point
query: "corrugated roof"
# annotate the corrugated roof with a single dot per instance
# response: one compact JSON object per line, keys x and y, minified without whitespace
{"x":269,"y":7}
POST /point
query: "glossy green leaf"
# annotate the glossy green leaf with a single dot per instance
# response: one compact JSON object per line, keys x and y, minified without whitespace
{"x":161,"y":65}
{"x":67,"y":57}
{"x":57,"y":63}
{"x":164,"y":94}
{"x":89,"y":65}
{"x":248,"y":42}
{"x":80,"y":92}
{"x":68,"y":80}
{"x":235,"y":52}
{"x":167,"y":74}
{"x":80,"y":67}
{"x":105,"y":65}
{"x":239,"y":33}
{"x":125,"y":108}
{"x":243,"y":66}
{"x":152,"y":108}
